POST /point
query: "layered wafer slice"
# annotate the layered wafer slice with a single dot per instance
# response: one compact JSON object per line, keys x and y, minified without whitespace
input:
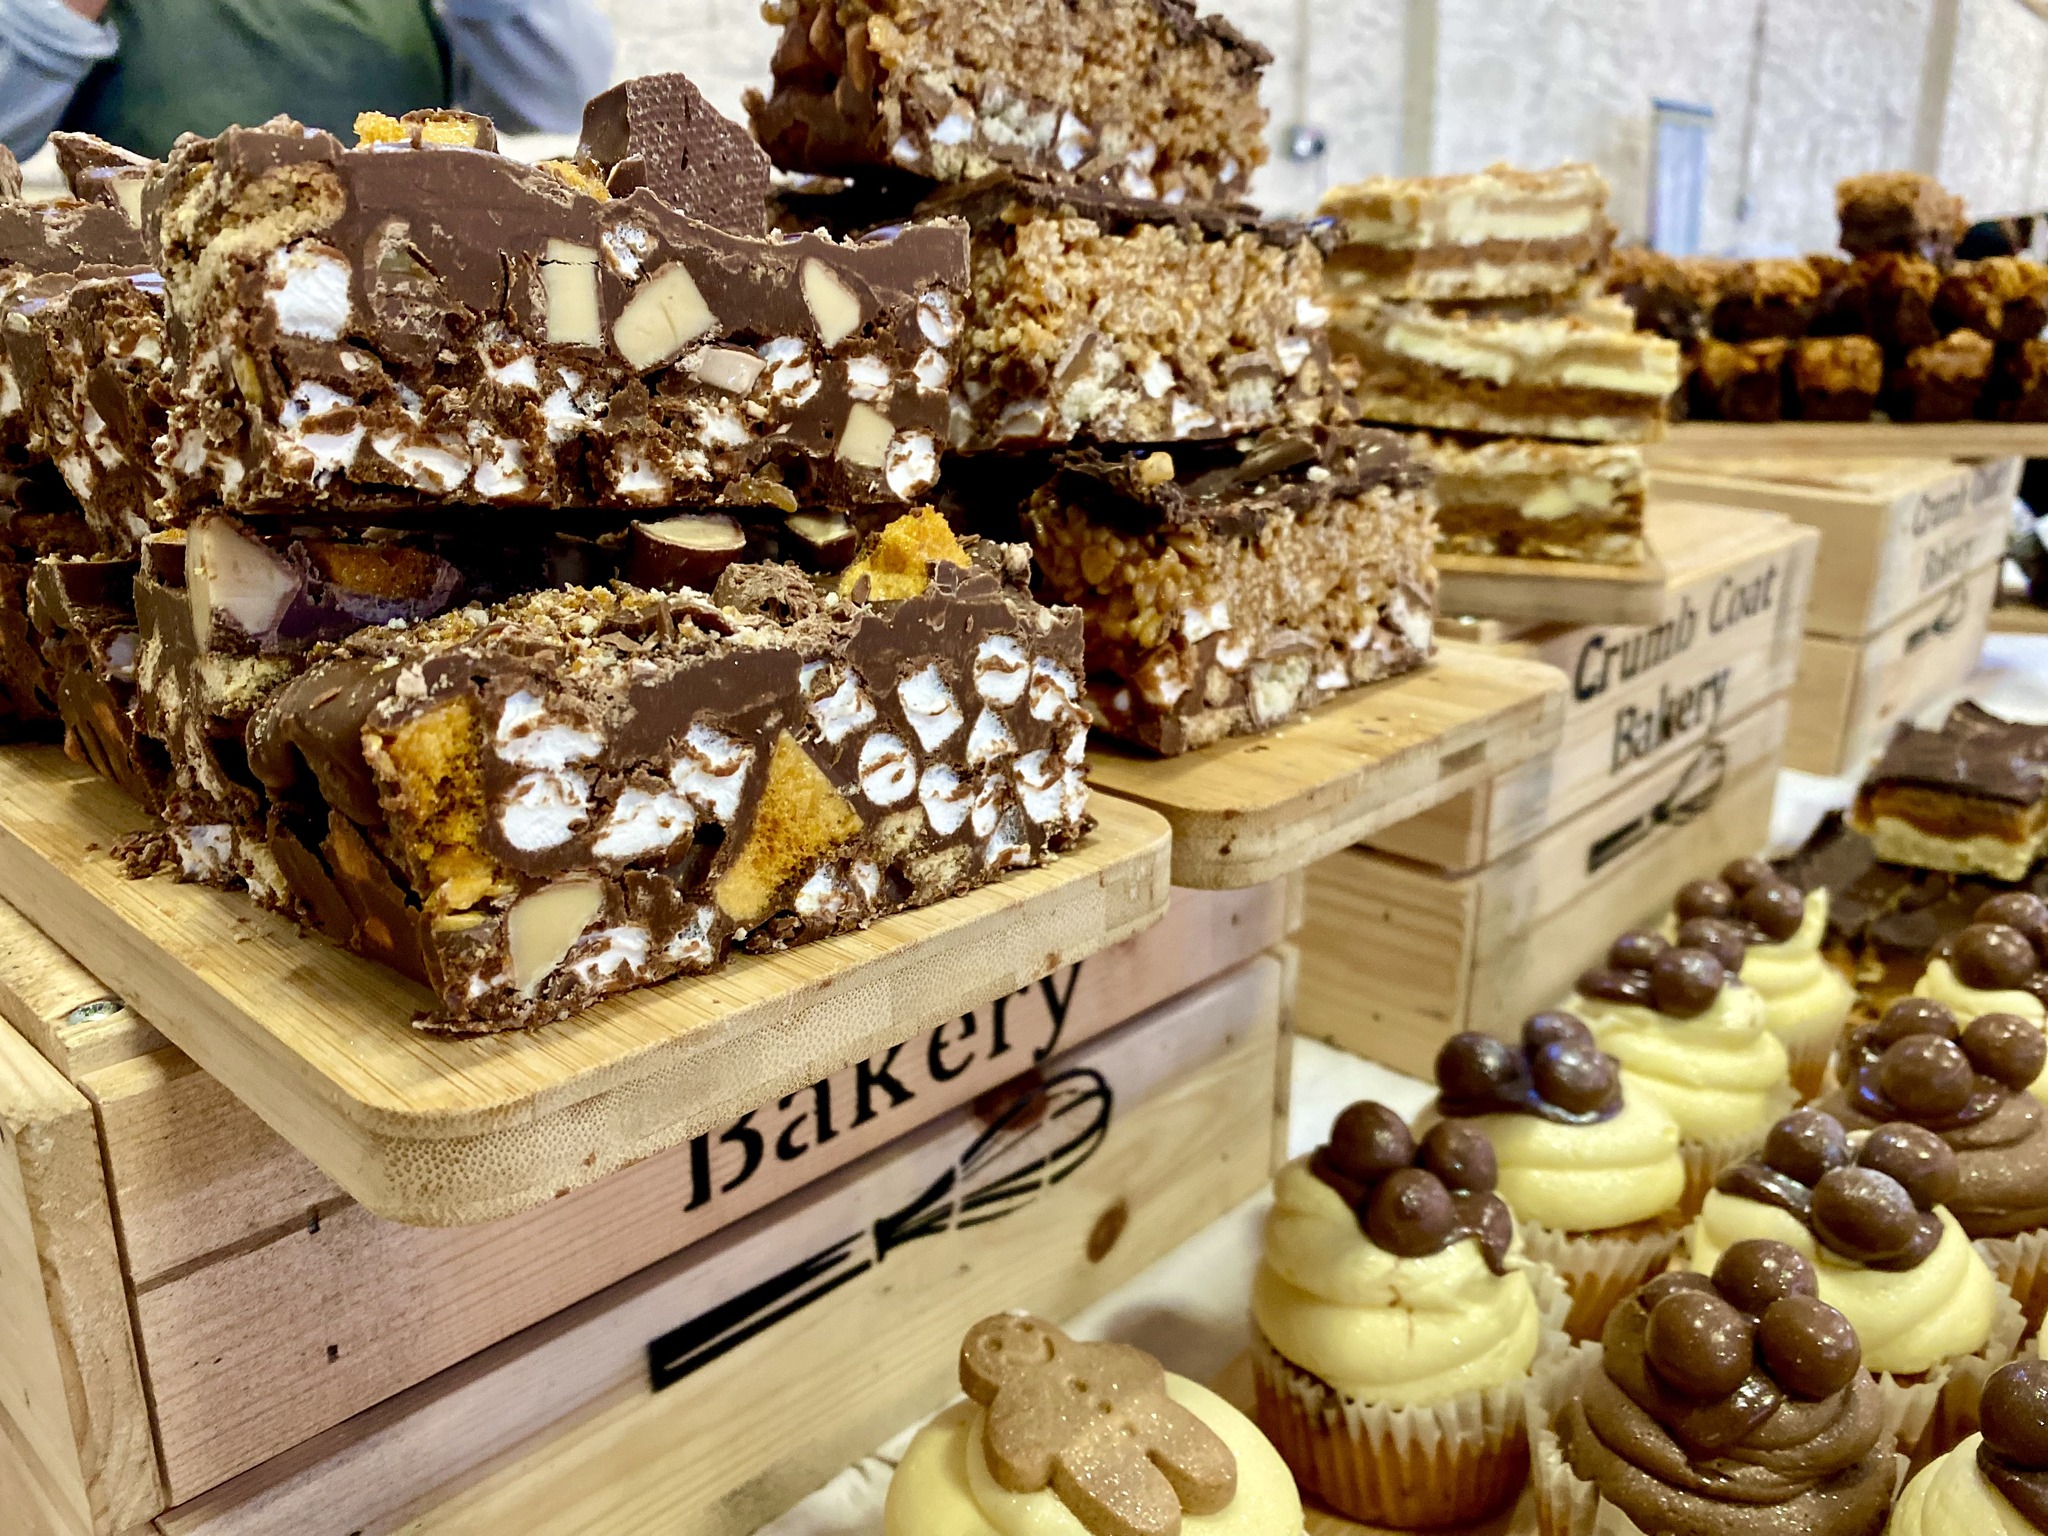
{"x":1497,"y":233}
{"x":1527,"y":498}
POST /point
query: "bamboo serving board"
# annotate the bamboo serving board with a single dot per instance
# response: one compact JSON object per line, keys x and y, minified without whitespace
{"x":1569,"y":591}
{"x":1853,"y":439}
{"x":442,"y":1132}
{"x":1252,"y":808}
{"x":2019,"y":619}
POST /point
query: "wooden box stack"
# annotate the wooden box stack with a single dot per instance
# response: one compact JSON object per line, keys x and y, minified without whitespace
{"x":1484,"y":909}
{"x":208,"y":1334}
{"x":1902,"y":590}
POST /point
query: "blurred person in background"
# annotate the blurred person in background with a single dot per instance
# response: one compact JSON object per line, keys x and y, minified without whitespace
{"x":141,"y":72}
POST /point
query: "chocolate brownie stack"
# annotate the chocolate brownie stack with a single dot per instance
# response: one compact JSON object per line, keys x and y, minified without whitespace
{"x":1462,"y":302}
{"x":1946,"y":820}
{"x":1898,"y":326}
{"x":519,"y":573}
{"x":1143,"y":382}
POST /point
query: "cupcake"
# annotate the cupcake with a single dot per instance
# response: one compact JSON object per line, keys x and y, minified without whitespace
{"x":1999,"y":964}
{"x":1593,"y":1177}
{"x":1396,"y":1327}
{"x":1971,"y":1087}
{"x":1057,"y":1435}
{"x":1730,"y":1406}
{"x":1866,"y":1212}
{"x":1690,"y":1038}
{"x":1995,"y":1483}
{"x":1806,"y":1000}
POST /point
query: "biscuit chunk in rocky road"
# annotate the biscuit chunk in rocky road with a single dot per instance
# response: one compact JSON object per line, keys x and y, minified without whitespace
{"x":533,"y":805}
{"x":1144,"y":96}
{"x":1227,"y":587}
{"x":1095,"y":317}
{"x":415,"y":323}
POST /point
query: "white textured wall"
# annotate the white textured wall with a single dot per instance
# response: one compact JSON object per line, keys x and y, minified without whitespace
{"x":1835,"y":90}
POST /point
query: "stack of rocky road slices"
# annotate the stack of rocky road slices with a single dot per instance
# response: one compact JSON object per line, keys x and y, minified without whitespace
{"x":547,"y":579}
{"x":1468,"y":305}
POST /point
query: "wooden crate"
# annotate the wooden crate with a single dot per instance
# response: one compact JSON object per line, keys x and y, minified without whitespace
{"x":1893,"y":532}
{"x":1396,"y":956}
{"x":1642,"y":695}
{"x":709,"y":1392}
{"x":269,"y":1306}
{"x":1851,"y":694}
{"x":438,"y":1130}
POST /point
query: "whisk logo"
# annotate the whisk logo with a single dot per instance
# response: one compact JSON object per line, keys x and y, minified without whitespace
{"x":1039,"y":1140}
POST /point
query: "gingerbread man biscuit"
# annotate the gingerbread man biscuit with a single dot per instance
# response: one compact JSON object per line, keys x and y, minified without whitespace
{"x":1094,"y":1422}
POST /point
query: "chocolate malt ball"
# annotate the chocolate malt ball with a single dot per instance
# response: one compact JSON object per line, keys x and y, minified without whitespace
{"x":1704,"y":898}
{"x":1700,"y":1345}
{"x":1809,"y":1348}
{"x":1927,"y":1077}
{"x":1757,"y":1271}
{"x":1914,"y":1016}
{"x":1992,"y":957}
{"x":1805,"y":1145}
{"x":1719,"y":937}
{"x":1578,"y":1077}
{"x":2014,"y":1413}
{"x":1462,"y":1157}
{"x":2006,"y":1048}
{"x":1776,"y":907}
{"x":1618,"y":986}
{"x":1863,"y":1214}
{"x":1636,"y":951}
{"x":1554,"y":1027}
{"x":2022,"y":911}
{"x":1474,"y":1068}
{"x":1921,"y":1161}
{"x":1685,"y":982}
{"x":1411,"y":1214}
{"x":1370,"y":1141}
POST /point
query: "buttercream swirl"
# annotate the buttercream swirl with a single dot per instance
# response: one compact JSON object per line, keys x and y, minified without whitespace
{"x":1909,"y":1320}
{"x":1952,"y":1497}
{"x":1804,"y":1468}
{"x":1591,"y":1176}
{"x":1805,"y":999}
{"x":943,"y":1486}
{"x":1385,"y":1329}
{"x":1720,"y":1075}
{"x":1940,"y":982}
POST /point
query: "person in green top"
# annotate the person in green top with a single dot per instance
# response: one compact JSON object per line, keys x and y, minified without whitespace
{"x":141,"y":72}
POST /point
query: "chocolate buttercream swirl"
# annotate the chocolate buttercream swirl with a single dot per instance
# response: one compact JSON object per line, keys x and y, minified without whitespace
{"x":1680,"y":980}
{"x":1556,"y":1074}
{"x":1873,"y":1206}
{"x":1416,"y":1200}
{"x":1731,"y":1395}
{"x":2013,"y":1454}
{"x":1969,"y":1085}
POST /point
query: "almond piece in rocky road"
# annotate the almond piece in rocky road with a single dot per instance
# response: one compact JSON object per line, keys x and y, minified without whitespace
{"x":685,"y":551}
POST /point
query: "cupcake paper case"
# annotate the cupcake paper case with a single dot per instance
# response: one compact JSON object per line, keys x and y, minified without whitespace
{"x":1063,"y":1438}
{"x":1736,"y":1404}
{"x":1994,"y":1483}
{"x":1974,"y":1086}
{"x":1594,"y":1179}
{"x":1806,"y":999}
{"x":1396,"y":1329}
{"x":1690,"y":1037}
{"x":1865,"y":1214}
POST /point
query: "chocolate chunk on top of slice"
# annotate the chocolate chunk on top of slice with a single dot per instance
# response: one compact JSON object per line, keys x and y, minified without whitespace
{"x":10,"y":176}
{"x":103,"y":173}
{"x":659,"y":132}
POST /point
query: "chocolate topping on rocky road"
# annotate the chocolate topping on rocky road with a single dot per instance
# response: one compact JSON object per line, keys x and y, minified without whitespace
{"x":658,"y":132}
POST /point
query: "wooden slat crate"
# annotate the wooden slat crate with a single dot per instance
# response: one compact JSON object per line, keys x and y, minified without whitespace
{"x":1397,"y":956}
{"x":269,"y":1307}
{"x":709,"y":1392}
{"x":1641,"y":695}
{"x":1893,"y":532}
{"x":1851,"y":694}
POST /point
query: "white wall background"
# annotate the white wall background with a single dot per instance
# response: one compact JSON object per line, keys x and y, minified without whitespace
{"x":1804,"y":92}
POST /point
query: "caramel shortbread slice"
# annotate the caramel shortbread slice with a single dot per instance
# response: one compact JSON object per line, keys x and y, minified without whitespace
{"x":413,"y":323}
{"x":1145,"y":96}
{"x":1564,"y":376}
{"x":1535,"y":500}
{"x":1497,"y":233}
{"x":1227,"y":587}
{"x":1970,"y":797}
